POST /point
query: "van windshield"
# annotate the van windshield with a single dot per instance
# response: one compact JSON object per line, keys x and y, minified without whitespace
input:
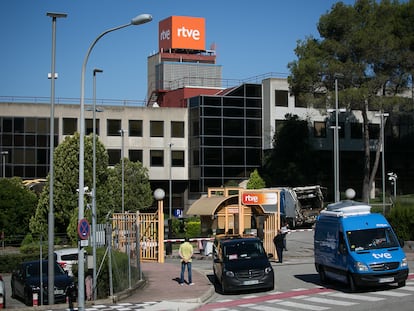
{"x":360,"y":240}
{"x":243,"y":250}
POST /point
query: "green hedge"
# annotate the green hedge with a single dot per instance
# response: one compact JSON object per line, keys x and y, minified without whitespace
{"x":401,"y":218}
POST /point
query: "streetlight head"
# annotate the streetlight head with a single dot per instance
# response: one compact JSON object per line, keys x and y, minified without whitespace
{"x":56,"y":15}
{"x":141,"y":19}
{"x":97,"y":70}
{"x":159,"y":194}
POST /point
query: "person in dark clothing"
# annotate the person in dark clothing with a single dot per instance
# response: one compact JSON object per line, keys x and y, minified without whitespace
{"x":279,"y":244}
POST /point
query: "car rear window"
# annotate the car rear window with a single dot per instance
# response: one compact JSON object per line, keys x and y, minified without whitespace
{"x":70,"y":257}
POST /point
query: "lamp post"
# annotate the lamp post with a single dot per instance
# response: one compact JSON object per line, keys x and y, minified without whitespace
{"x":122,"y":132}
{"x":4,"y":154}
{"x":140,"y":19}
{"x":336,"y":139}
{"x":382,"y":115}
{"x":393,"y":178}
{"x":94,"y":281}
{"x":170,"y":187}
{"x":159,"y":195}
{"x":51,"y":220}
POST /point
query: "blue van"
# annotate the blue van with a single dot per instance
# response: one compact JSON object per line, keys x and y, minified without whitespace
{"x":355,"y":246}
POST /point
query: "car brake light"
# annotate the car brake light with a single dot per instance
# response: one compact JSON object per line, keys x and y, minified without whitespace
{"x":62,"y":264}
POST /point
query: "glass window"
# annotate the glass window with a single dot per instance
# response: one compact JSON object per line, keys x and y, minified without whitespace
{"x":341,"y":131}
{"x":113,"y":127}
{"x":319,"y":129}
{"x":177,"y":158}
{"x":212,"y":156}
{"x":356,"y":130}
{"x":157,"y":128}
{"x":30,"y":140}
{"x":157,"y":157}
{"x":135,"y":155}
{"x":70,"y":126}
{"x":177,"y":129}
{"x":89,"y":126}
{"x":30,"y":125}
{"x":18,"y":125}
{"x":42,"y":140}
{"x":281,"y":98}
{"x":135,"y":128}
{"x":114,"y":156}
{"x":43,"y":126}
{"x":18,"y":140}
{"x":300,"y":102}
{"x":374,"y":131}
{"x":233,"y":156}
{"x":233,"y":127}
{"x":7,"y":125}
{"x":212,"y":126}
{"x":253,"y":127}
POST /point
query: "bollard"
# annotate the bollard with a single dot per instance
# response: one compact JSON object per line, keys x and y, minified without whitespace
{"x":35,"y":299}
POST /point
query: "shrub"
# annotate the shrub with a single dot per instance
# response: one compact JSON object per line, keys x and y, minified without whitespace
{"x":401,"y":218}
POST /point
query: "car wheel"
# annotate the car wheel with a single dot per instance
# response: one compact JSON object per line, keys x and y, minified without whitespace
{"x":28,"y":299}
{"x":223,"y":287}
{"x":401,"y":284}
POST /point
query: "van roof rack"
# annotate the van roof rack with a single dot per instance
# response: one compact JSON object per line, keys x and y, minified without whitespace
{"x":346,"y":208}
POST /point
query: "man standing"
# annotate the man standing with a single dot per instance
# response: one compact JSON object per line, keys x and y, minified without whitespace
{"x":278,"y":241}
{"x":186,"y":253}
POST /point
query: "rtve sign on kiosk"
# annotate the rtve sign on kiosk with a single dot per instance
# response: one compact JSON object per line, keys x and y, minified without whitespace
{"x":182,"y":32}
{"x":259,"y":198}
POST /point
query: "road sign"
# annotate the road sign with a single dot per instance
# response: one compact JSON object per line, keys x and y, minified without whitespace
{"x":83,"y":229}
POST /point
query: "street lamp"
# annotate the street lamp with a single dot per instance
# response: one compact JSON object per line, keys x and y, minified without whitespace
{"x":393,"y":178}
{"x":122,"y":132}
{"x":94,"y":281}
{"x":159,"y":195}
{"x":51,"y":220}
{"x":382,"y":115}
{"x":170,"y":187}
{"x":336,"y":139}
{"x":140,"y":19}
{"x":4,"y":154}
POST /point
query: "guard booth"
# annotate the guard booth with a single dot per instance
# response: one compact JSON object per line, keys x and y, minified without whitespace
{"x":234,"y":210}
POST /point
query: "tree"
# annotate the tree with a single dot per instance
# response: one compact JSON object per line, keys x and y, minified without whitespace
{"x":291,"y":161}
{"x":137,"y":188}
{"x":371,"y":46}
{"x":17,"y":206}
{"x":66,"y":183}
{"x":255,"y":181}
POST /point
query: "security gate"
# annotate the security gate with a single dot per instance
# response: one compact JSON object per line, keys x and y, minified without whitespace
{"x":144,"y":229}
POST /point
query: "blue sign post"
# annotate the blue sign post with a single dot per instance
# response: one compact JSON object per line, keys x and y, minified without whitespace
{"x":83,"y":229}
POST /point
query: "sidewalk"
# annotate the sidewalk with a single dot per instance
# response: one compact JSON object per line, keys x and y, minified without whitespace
{"x":161,"y":287}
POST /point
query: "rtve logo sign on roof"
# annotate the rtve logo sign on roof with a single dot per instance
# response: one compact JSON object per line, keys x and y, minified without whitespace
{"x":182,"y":32}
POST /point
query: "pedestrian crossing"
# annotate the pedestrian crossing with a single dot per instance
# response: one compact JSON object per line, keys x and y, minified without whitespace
{"x":319,"y":301}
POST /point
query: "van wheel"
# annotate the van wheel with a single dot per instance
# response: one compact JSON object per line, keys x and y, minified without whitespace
{"x":322,"y":275}
{"x":351,"y":282}
{"x":401,"y":284}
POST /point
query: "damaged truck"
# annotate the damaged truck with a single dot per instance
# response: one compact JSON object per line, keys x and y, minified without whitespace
{"x":300,"y":206}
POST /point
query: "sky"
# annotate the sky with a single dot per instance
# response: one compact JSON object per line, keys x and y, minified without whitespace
{"x":251,"y":38}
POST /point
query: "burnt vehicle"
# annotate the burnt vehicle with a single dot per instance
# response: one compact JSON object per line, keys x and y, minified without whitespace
{"x":31,"y":277}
